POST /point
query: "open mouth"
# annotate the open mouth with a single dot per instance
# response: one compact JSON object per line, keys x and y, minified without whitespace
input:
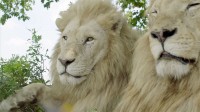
{"x":185,"y":61}
{"x":77,"y":77}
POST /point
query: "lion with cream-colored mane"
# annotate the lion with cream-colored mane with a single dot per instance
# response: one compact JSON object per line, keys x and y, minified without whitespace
{"x":90,"y":63}
{"x":166,"y":61}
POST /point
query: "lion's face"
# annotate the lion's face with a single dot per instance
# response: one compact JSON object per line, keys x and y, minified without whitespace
{"x":175,"y":35}
{"x":82,"y":47}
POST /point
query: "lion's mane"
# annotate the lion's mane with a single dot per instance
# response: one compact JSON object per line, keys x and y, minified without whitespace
{"x":102,"y":89}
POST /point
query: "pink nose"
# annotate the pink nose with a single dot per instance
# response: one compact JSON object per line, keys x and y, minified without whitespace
{"x":163,"y":34}
{"x":66,"y":62}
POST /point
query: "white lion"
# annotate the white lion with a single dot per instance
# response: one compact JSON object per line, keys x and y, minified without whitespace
{"x":166,"y":63}
{"x":90,"y":63}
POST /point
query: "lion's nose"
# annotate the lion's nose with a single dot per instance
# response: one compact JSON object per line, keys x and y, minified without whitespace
{"x":66,"y":62}
{"x":163,"y":34}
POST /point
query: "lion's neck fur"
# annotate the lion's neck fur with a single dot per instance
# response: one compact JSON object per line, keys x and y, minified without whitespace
{"x":149,"y":92}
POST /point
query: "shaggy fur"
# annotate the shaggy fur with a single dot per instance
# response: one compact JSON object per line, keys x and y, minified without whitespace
{"x":156,"y":89}
{"x":103,"y":84}
{"x":102,"y":88}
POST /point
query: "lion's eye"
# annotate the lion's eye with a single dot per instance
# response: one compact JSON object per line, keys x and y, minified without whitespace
{"x":192,"y":5}
{"x":89,"y":39}
{"x":64,"y":37}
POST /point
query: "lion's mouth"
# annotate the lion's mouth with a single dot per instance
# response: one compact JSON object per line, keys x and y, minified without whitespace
{"x":77,"y":76}
{"x":184,"y":61}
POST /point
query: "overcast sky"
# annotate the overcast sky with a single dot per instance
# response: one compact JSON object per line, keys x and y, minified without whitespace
{"x":14,"y":34}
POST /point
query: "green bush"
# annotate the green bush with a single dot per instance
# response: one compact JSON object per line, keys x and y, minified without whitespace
{"x":20,"y":71}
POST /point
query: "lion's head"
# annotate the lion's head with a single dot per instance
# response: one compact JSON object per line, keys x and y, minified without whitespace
{"x":94,"y":44}
{"x":175,"y":35}
{"x":166,"y":61}
{"x":83,"y":45}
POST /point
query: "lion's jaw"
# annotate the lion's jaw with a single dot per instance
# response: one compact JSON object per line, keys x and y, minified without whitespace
{"x":86,"y":45}
{"x":175,"y":36}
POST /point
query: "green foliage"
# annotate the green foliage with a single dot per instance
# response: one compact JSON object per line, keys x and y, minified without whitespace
{"x":14,"y":74}
{"x":36,"y":59}
{"x":20,"y":71}
{"x":135,"y":11}
{"x":19,"y":8}
{"x":47,"y":3}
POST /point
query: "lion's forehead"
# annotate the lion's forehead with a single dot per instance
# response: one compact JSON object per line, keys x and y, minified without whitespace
{"x":77,"y":29}
{"x":170,"y":5}
{"x":174,"y":11}
{"x":71,"y":28}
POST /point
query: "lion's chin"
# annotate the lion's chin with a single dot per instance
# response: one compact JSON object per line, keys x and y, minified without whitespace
{"x":172,"y":68}
{"x":68,"y":79}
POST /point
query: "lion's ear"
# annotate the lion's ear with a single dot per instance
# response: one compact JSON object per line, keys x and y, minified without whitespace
{"x":62,"y":22}
{"x":117,"y":25}
{"x":112,"y":21}
{"x":59,"y":24}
